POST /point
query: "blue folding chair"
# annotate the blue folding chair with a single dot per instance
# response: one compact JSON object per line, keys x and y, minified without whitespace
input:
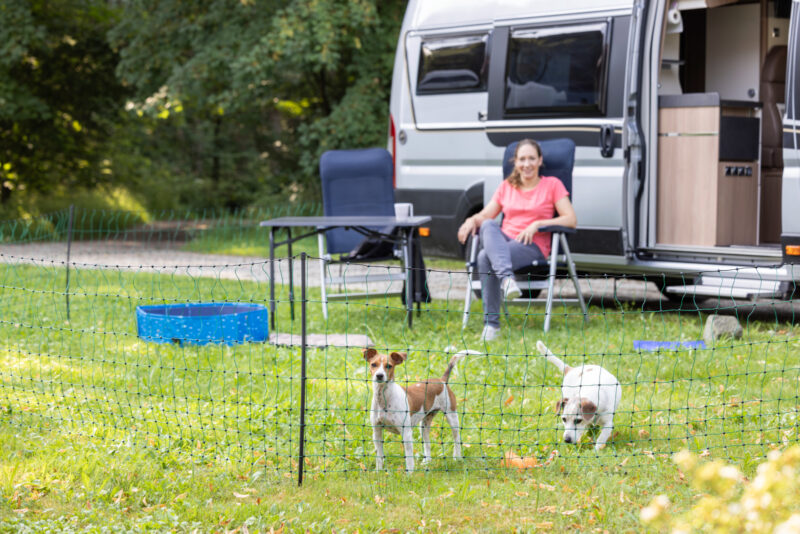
{"x":559,"y":159}
{"x":355,"y":182}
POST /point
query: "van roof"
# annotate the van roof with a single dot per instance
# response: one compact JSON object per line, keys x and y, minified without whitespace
{"x":449,"y":13}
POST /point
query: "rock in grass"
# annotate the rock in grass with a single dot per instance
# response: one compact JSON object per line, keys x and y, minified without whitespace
{"x":720,"y":326}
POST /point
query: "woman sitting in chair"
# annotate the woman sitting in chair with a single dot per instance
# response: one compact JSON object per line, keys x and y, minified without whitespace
{"x":528,"y":202}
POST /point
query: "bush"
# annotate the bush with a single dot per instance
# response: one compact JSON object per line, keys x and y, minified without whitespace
{"x":730,"y":502}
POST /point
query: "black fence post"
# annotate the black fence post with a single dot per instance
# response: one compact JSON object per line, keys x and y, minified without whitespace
{"x":69,"y":247}
{"x":303,"y":276}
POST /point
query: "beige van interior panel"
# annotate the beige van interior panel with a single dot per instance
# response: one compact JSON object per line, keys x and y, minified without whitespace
{"x":688,"y":156}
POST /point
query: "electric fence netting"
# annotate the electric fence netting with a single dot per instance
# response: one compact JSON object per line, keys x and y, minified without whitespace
{"x":73,"y":358}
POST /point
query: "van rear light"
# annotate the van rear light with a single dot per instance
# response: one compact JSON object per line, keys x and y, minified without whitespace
{"x":793,"y":250}
{"x":393,"y":145}
{"x":424,"y":231}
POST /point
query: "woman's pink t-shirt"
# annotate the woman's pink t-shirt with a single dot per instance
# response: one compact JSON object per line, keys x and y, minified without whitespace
{"x":521,"y":208}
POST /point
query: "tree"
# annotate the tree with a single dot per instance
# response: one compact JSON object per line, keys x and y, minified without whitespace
{"x":277,"y":81}
{"x":59,"y":96}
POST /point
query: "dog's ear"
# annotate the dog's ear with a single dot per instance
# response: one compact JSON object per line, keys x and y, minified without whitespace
{"x":369,"y":353}
{"x":588,"y":408}
{"x":560,"y":405}
{"x":398,"y":357}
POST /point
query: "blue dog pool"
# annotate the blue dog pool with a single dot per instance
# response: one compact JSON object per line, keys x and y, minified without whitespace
{"x":203,"y":323}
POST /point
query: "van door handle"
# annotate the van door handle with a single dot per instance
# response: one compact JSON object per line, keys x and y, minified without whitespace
{"x":607,"y":140}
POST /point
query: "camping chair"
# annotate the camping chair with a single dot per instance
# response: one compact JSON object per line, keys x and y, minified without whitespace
{"x":356,"y":182}
{"x":559,"y":158}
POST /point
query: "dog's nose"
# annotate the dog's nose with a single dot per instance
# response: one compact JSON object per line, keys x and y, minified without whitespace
{"x":568,"y":439}
{"x":379,"y":377}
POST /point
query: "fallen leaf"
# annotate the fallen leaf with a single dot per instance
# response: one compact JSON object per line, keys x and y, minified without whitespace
{"x":509,"y":400}
{"x":569,"y":512}
{"x":240,"y":495}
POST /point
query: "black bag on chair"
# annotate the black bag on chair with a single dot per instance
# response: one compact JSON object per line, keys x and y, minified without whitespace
{"x":373,"y":248}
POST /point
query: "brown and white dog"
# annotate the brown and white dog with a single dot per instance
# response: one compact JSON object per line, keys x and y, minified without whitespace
{"x":589,"y":396}
{"x":398,"y":409}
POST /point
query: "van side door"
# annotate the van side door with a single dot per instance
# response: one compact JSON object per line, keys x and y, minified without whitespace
{"x":566,"y":78}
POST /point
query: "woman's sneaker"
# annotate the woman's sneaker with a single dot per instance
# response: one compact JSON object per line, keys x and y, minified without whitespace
{"x":510,"y":288}
{"x":489,"y":333}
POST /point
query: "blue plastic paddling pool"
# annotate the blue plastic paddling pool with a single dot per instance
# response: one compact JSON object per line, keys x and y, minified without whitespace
{"x":203,"y":323}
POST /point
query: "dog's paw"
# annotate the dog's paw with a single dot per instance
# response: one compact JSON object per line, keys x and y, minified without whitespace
{"x":599,"y":447}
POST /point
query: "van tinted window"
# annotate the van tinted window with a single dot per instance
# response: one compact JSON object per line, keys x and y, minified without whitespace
{"x":557,"y":69}
{"x":452,"y":65}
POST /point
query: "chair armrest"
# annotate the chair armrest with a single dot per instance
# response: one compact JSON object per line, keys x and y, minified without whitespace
{"x":558,"y":229}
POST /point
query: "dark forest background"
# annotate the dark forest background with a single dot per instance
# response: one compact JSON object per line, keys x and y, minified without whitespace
{"x":177,"y":104}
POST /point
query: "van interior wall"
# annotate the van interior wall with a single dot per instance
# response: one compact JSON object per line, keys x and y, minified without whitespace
{"x":721,"y":51}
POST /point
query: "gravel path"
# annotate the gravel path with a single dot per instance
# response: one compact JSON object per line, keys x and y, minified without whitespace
{"x":149,"y":257}
{"x":135,"y":256}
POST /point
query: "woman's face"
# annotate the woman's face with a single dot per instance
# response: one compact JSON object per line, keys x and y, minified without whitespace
{"x":528,"y":161}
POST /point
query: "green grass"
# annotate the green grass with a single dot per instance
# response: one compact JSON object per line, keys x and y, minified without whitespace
{"x":102,"y":430}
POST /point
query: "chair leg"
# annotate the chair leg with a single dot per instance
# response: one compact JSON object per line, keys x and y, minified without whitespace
{"x":470,"y":268}
{"x":322,"y":282}
{"x":548,"y":310}
{"x":574,"y":276}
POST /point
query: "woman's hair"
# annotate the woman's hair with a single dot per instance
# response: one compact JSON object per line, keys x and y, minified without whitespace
{"x":514,"y":178}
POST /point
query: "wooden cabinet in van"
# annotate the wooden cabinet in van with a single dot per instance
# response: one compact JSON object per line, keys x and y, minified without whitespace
{"x":708,"y":171}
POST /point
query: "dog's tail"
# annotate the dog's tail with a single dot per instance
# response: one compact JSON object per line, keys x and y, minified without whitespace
{"x":457,"y":357}
{"x":552,"y":358}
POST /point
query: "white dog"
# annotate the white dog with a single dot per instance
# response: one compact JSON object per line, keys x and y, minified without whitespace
{"x":590,"y":396}
{"x":398,"y":409}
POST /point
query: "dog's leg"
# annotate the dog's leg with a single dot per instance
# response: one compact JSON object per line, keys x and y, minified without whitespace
{"x":425,"y":428}
{"x":408,"y":446}
{"x":377,"y":439}
{"x":605,"y":433}
{"x":452,"y":420}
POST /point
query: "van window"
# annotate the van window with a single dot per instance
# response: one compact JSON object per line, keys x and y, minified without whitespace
{"x":452,"y":65}
{"x":557,"y":69}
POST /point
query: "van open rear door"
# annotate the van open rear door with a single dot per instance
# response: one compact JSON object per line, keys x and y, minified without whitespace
{"x":790,"y":214}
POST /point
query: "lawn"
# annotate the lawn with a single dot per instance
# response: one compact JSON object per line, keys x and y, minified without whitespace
{"x":103,"y":431}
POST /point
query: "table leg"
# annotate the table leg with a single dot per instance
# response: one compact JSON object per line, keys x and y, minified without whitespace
{"x":291,"y":273}
{"x":272,"y":277}
{"x":407,"y":255}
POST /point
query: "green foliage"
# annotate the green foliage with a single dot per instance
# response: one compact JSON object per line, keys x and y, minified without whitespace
{"x":246,"y":96}
{"x":190,"y":104}
{"x":59,"y":96}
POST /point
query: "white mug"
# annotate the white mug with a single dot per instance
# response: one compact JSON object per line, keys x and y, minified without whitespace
{"x":403,"y":210}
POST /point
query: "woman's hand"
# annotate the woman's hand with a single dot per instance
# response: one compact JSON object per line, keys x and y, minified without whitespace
{"x":468,"y":228}
{"x":526,"y":236}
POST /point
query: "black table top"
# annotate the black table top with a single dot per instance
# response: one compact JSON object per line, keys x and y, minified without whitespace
{"x":347,"y":220}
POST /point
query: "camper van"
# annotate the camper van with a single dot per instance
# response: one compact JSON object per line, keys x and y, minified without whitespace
{"x":683,"y":113}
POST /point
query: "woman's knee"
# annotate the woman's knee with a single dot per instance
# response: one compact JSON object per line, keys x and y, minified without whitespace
{"x":488,"y":226}
{"x":483,"y":262}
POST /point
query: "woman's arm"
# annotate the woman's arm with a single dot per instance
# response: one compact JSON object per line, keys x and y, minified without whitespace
{"x":471,"y":225}
{"x":566,"y":217}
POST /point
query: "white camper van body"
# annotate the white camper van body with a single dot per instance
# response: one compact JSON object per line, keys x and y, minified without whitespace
{"x":673,"y":176}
